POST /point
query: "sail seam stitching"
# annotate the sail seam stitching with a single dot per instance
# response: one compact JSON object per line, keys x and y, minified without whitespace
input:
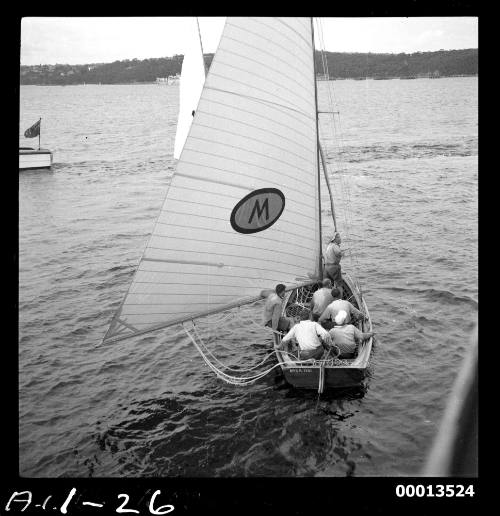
{"x":267,"y":131}
{"x":270,"y":41}
{"x":259,"y":115}
{"x":246,"y":137}
{"x":258,"y":167}
{"x":257,"y":99}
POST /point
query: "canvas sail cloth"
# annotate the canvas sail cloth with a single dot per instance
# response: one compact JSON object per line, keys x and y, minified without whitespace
{"x":253,"y":137}
{"x":191,"y":84}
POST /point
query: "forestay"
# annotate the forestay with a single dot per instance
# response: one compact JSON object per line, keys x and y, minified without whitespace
{"x":191,"y":84}
{"x":241,"y":212}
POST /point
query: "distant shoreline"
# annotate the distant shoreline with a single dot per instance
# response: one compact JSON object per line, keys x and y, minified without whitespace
{"x":334,"y":65}
{"x":142,"y":83}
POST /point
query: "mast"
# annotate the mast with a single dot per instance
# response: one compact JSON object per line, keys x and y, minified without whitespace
{"x":39,"y":131}
{"x":201,"y":45}
{"x":328,"y":186}
{"x":320,"y":265}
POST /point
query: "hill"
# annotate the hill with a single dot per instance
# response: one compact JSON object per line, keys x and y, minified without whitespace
{"x":340,"y":66}
{"x":440,"y":63}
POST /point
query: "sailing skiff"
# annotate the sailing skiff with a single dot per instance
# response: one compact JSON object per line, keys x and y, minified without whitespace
{"x":243,"y":209}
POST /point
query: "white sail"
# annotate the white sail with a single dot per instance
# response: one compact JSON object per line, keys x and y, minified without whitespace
{"x":191,"y":84}
{"x":217,"y":241}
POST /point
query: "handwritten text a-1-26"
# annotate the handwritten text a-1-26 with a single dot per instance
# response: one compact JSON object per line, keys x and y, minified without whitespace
{"x":26,"y":498}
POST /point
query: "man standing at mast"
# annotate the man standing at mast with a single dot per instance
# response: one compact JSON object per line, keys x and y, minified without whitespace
{"x":333,"y":256}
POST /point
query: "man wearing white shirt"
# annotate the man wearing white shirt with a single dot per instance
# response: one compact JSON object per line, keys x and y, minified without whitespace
{"x":310,"y":337}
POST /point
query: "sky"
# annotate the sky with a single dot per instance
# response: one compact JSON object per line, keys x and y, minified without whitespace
{"x":62,"y":40}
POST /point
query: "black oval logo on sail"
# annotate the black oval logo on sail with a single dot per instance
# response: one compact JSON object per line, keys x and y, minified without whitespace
{"x":258,"y":210}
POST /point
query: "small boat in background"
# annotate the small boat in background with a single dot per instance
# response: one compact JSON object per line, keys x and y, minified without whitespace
{"x":30,"y":158}
{"x":34,"y":158}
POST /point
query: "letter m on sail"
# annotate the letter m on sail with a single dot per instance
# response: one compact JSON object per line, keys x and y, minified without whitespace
{"x":259,"y":211}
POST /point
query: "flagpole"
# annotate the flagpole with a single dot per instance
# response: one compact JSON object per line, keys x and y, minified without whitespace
{"x":39,"y":131}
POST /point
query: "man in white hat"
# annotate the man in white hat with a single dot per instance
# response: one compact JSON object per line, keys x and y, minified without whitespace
{"x":333,"y":256}
{"x":346,"y":336}
{"x":327,"y":318}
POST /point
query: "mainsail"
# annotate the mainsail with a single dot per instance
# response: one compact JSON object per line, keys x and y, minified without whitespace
{"x":191,"y":84}
{"x":241,"y":211}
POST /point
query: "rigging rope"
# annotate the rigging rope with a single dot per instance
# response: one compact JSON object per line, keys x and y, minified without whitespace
{"x":337,"y":131}
{"x":234,"y":380}
{"x":217,"y":366}
{"x":219,"y":362}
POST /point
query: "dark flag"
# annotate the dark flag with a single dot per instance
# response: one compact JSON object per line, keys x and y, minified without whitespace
{"x":33,"y":131}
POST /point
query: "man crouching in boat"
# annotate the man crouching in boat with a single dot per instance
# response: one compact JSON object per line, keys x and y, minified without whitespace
{"x":346,"y":336}
{"x":310,"y":337}
{"x":321,"y":299}
{"x":328,"y":316}
{"x":273,"y":308}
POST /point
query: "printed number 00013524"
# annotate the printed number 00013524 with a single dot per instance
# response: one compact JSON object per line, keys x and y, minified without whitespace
{"x":438,"y":491}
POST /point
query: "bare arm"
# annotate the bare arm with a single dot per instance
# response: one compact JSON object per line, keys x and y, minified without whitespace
{"x":323,"y":335}
{"x":276,"y":316}
{"x":357,"y":314}
{"x":311,"y":309}
{"x":289,"y":335}
{"x":361,"y":336}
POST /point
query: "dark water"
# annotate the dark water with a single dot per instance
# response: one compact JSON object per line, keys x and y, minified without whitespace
{"x":406,"y":202}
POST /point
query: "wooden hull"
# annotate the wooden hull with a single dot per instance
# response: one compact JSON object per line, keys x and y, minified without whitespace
{"x":318,"y":375}
{"x":335,"y":377}
{"x":33,"y":159}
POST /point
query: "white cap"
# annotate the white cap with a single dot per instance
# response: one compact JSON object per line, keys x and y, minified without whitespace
{"x":341,"y":317}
